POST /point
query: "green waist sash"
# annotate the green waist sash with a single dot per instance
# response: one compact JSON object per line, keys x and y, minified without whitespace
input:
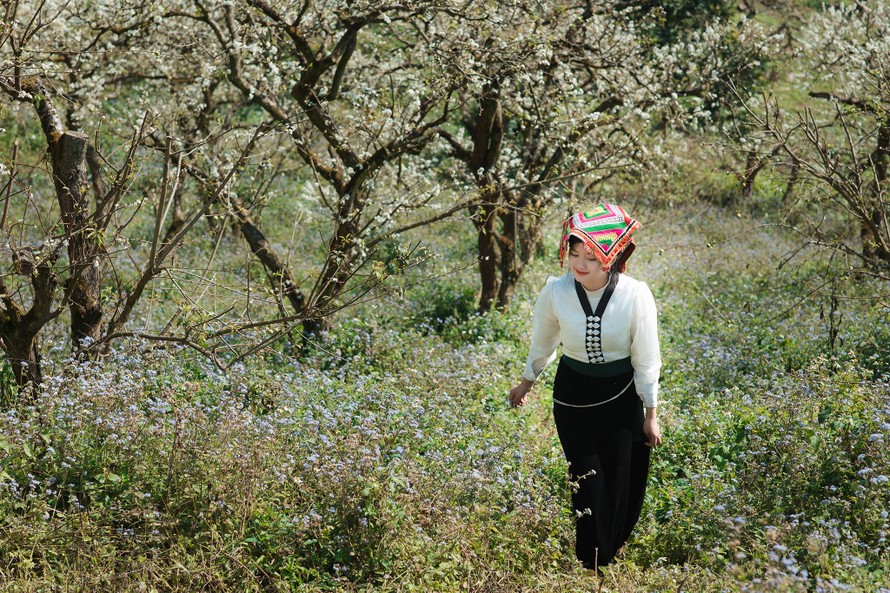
{"x":604,"y":369}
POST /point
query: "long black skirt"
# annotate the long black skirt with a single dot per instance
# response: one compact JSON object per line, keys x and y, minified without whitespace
{"x":607,"y":455}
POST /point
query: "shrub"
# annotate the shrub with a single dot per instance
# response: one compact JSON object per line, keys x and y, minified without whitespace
{"x":389,"y":460}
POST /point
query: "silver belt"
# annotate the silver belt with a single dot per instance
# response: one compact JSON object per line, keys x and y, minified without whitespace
{"x":614,"y":397}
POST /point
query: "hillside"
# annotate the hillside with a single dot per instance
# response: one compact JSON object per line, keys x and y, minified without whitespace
{"x":267,"y":273}
{"x":393,"y":464}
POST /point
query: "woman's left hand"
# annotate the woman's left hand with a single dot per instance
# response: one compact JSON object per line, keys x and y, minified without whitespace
{"x":652,"y":430}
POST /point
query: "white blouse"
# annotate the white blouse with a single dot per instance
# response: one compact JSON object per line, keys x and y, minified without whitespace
{"x":629,"y":328}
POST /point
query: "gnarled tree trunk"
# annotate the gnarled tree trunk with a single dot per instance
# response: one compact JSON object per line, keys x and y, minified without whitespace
{"x":84,"y":284}
{"x":19,"y":329}
{"x":489,"y":256}
{"x":68,"y":151}
{"x":875,"y":234}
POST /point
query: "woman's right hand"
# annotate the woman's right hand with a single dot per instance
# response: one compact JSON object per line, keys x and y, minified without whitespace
{"x":519,"y":394}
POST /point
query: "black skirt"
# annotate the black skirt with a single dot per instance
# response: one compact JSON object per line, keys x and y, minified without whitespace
{"x":608,"y":458}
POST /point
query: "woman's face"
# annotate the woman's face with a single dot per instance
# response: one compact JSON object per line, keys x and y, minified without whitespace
{"x":586,"y":268}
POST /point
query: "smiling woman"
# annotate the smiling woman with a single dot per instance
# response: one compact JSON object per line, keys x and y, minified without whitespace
{"x":607,"y":324}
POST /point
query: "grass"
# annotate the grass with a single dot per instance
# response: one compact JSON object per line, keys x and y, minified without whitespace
{"x":389,"y":460}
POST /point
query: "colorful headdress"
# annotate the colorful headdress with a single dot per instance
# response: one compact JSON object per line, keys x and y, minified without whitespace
{"x":605,"y":232}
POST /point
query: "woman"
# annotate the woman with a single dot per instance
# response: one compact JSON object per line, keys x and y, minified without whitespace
{"x":606,"y":322}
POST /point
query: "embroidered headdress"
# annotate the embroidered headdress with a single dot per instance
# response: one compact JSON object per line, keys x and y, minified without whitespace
{"x":604,"y":231}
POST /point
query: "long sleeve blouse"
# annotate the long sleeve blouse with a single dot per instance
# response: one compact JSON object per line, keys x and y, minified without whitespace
{"x":629,"y":328}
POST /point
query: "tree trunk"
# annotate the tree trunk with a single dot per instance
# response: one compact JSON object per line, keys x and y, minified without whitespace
{"x":874,"y":232}
{"x":753,"y":165}
{"x":342,"y":252}
{"x":24,"y":357}
{"x":280,"y":276}
{"x":84,"y":285}
{"x":19,"y":329}
{"x":487,"y":138}
{"x":18,"y":337}
{"x":521,"y":243}
{"x":68,"y":150}
{"x":792,"y":184}
{"x":509,"y":264}
{"x":488,"y":260}
{"x":335,"y":272}
{"x":314,"y":326}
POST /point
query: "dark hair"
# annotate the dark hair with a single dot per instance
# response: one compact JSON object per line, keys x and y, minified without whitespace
{"x":574,"y":240}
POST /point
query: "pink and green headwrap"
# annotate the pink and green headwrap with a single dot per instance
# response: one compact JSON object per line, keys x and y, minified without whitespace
{"x":605,"y":232}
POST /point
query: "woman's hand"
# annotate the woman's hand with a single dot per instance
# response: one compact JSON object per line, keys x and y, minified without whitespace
{"x":651,"y":427}
{"x":519,"y":394}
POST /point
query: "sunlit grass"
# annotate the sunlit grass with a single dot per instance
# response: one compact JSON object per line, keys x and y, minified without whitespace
{"x":389,"y":460}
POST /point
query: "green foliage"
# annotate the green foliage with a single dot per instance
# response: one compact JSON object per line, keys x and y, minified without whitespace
{"x":388,"y":459}
{"x":354,"y":473}
{"x":821,"y":430}
{"x":443,"y":305}
{"x":668,"y":22}
{"x":874,"y":344}
{"x":718,"y":188}
{"x":449,"y":310}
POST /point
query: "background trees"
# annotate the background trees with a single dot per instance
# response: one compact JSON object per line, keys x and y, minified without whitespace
{"x":268,"y":164}
{"x":354,"y":89}
{"x":564,"y":97}
{"x":840,"y":140}
{"x":238,"y":105}
{"x":58,"y":255}
{"x":186,"y":183}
